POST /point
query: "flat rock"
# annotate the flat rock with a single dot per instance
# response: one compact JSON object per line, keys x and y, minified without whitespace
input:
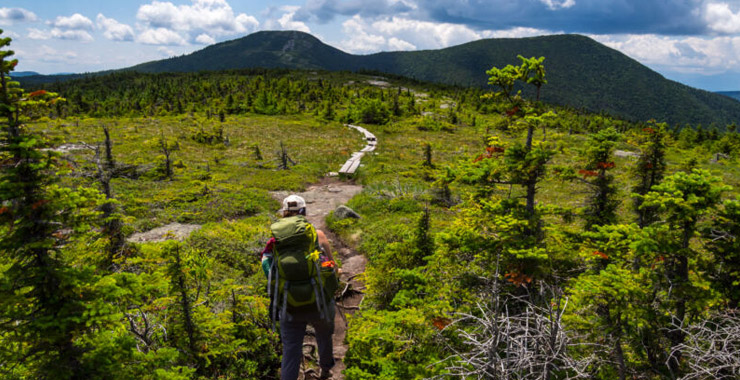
{"x":66,"y":148}
{"x":174,"y":231}
{"x":344,"y":212}
{"x":624,"y":153}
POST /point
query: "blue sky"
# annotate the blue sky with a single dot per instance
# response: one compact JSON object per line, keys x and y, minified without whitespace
{"x":696,"y":42}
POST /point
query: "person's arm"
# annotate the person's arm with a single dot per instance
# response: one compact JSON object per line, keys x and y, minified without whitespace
{"x":325,"y":245}
{"x":267,"y":258}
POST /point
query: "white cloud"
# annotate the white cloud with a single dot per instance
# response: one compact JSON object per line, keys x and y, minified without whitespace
{"x":398,"y":44}
{"x":558,"y":4}
{"x":205,"y":39}
{"x":287,"y":21}
{"x":114,"y":30}
{"x":213,"y":17}
{"x":47,"y":54}
{"x":426,"y":34}
{"x":680,"y":54}
{"x":73,"y":28}
{"x":73,"y":35}
{"x":518,"y":32}
{"x":398,"y":33}
{"x":361,"y":41}
{"x":74,"y":22}
{"x":161,"y":36}
{"x":9,"y":16}
{"x":246,"y":23}
{"x":165,"y":52}
{"x":37,"y":34}
{"x":721,"y":19}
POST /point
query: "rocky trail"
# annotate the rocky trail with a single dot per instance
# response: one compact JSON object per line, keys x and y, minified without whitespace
{"x":321,"y":199}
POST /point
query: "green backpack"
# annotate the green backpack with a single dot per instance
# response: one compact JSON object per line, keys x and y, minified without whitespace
{"x":296,"y":280}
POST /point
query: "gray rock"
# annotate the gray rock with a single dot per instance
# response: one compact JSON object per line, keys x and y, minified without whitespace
{"x":174,"y":231}
{"x":624,"y":153}
{"x":719,"y":156}
{"x":344,"y":212}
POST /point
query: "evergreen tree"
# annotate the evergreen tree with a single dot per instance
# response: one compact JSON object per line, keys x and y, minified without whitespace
{"x":649,"y":170}
{"x":601,"y":205}
{"x":45,"y":302}
{"x":684,"y":199}
{"x":723,"y":237}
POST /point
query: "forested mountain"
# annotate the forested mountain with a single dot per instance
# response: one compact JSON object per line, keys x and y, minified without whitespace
{"x":582,"y":73}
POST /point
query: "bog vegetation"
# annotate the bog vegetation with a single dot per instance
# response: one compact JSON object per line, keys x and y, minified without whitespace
{"x":506,"y":239}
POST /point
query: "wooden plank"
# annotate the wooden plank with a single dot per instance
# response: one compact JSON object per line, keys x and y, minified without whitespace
{"x":350,"y":167}
{"x":346,"y":166}
{"x":353,"y":168}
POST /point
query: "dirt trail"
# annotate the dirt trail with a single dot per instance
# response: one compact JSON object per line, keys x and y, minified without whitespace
{"x":321,"y":199}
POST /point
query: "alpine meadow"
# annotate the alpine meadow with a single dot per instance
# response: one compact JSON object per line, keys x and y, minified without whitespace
{"x":519,"y":214}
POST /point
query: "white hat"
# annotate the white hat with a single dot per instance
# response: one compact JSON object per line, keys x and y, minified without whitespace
{"x":293,"y":203}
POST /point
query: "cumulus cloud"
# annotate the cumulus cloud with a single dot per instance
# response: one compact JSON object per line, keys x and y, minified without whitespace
{"x":721,"y":19}
{"x":74,"y":28}
{"x":286,"y":20}
{"x":361,"y":40}
{"x":325,"y":10}
{"x":9,"y":16}
{"x":161,"y":36}
{"x":397,"y":33}
{"x":580,"y":16}
{"x":426,"y":34}
{"x":165,"y":52}
{"x":72,"y":35}
{"x":37,"y":34}
{"x":114,"y":30}
{"x":74,"y":22}
{"x":519,"y":32}
{"x":49,"y":54}
{"x":212,"y":17}
{"x":398,"y":44}
{"x":205,"y":39}
{"x":680,"y":54}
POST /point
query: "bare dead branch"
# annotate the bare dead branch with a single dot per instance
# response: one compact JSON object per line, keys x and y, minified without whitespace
{"x":711,"y":349}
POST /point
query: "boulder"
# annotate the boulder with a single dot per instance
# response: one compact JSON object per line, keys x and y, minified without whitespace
{"x":624,"y":153}
{"x":719,"y":156}
{"x":344,"y":212}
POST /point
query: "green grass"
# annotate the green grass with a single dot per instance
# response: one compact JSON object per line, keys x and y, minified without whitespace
{"x":211,"y":182}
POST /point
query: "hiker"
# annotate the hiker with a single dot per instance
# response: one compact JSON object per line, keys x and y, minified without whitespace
{"x":301,"y":282}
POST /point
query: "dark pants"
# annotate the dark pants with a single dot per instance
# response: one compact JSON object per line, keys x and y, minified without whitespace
{"x":292,"y":331}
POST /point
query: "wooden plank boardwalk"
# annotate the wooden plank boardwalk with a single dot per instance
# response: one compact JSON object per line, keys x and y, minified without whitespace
{"x":350,"y":167}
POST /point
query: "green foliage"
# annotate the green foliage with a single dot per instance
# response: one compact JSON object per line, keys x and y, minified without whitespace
{"x":649,"y":170}
{"x":391,"y":345}
{"x":368,"y":111}
{"x":266,"y":103}
{"x":601,"y":206}
{"x":438,"y":238}
{"x":50,"y":306}
{"x":724,"y":241}
{"x":214,"y":136}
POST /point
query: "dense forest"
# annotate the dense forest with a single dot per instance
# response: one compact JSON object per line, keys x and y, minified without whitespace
{"x":506,"y":238}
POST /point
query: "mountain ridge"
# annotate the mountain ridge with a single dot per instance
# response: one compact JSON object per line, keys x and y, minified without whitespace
{"x":582,"y":73}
